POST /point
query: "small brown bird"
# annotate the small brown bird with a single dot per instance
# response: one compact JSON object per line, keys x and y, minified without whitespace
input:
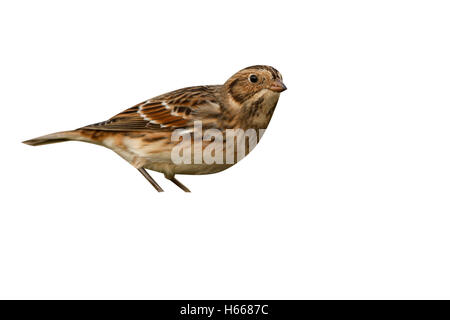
{"x":212,"y":122}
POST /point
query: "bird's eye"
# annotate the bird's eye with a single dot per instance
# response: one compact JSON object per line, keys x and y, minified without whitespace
{"x":253,"y":78}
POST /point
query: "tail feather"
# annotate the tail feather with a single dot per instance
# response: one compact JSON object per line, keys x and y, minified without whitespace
{"x":53,"y":138}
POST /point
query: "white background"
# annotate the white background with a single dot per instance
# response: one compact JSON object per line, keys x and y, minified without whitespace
{"x":347,"y":195}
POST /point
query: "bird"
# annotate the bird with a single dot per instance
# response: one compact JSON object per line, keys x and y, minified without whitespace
{"x":148,"y":134}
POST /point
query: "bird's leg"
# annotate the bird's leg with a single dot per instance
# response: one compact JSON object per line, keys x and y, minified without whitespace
{"x":179,"y":184}
{"x":150,"y":179}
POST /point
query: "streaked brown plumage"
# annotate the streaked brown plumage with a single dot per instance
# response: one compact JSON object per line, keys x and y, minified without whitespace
{"x":142,"y":134}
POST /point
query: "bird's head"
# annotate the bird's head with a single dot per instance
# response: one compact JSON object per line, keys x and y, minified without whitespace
{"x":253,"y":93}
{"x":254,"y":80}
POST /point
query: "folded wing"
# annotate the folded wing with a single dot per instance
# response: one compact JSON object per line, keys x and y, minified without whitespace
{"x":177,"y":109}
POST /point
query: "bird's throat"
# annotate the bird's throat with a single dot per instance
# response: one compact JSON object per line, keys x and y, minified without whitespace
{"x":257,"y":111}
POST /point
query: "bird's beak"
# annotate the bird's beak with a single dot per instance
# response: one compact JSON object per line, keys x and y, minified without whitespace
{"x":277,"y":86}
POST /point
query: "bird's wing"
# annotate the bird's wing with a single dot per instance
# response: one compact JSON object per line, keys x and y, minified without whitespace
{"x":176,"y":109}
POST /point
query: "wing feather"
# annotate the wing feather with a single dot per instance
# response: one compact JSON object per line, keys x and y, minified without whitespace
{"x":177,"y":109}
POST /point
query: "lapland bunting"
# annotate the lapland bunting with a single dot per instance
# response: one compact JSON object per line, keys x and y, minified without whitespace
{"x":148,"y":134}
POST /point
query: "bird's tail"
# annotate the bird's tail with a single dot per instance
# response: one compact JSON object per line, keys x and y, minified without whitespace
{"x":54,"y":138}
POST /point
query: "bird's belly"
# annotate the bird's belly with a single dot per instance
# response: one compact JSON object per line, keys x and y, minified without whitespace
{"x":194,"y":169}
{"x":161,"y":155}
